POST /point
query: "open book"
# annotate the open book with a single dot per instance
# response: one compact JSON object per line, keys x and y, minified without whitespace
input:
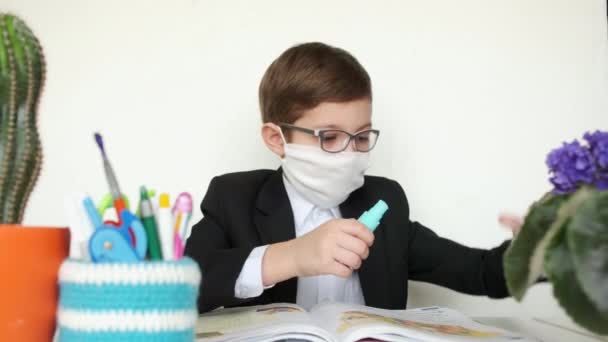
{"x":332,"y":322}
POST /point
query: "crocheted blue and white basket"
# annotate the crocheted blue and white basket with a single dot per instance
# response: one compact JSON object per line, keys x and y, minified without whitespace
{"x":144,"y":301}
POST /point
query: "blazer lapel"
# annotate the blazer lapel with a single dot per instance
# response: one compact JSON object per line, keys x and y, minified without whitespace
{"x":275,"y":223}
{"x":374,"y":271}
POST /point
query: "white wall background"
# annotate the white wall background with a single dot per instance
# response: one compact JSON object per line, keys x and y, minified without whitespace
{"x":470,"y":95}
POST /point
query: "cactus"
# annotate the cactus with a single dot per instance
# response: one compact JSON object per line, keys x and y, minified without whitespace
{"x":22,"y":72}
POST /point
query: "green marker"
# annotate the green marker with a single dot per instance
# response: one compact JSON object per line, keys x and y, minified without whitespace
{"x":371,"y":218}
{"x":149,"y":222}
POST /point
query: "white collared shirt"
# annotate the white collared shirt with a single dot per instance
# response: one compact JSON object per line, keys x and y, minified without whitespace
{"x":311,"y":290}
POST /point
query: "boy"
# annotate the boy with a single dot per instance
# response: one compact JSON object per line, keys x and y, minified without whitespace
{"x":291,"y":235}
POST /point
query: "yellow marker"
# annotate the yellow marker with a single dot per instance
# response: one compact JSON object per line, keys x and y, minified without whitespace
{"x":164,"y":227}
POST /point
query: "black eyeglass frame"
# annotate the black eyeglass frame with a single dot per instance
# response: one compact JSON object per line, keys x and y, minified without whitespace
{"x":319,"y":133}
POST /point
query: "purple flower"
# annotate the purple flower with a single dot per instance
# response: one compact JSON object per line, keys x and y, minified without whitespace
{"x":601,"y":181}
{"x":571,"y":165}
{"x":598,"y":144}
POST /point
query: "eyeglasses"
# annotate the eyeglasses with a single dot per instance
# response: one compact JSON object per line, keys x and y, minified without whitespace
{"x":336,"y":140}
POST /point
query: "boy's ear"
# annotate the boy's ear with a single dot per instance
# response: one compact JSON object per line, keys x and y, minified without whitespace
{"x":271,"y":134}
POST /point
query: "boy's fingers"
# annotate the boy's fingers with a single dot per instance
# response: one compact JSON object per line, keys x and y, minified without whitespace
{"x":347,"y":258}
{"x":353,"y":244}
{"x":358,"y":229}
{"x":340,"y":270}
{"x":510,"y":220}
{"x":513,"y":222}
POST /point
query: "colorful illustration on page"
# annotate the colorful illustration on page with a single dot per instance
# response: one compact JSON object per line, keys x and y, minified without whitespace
{"x":351,"y":319}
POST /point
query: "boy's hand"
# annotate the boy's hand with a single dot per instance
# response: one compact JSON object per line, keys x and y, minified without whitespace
{"x":336,"y":247}
{"x":512,"y":222}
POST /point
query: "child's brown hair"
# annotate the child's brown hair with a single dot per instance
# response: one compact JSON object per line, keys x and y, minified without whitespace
{"x":306,"y":75}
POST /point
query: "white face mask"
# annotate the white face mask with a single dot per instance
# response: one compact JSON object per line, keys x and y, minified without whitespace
{"x":325,"y":179}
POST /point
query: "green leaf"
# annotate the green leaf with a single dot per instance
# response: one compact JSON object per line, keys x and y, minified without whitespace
{"x":587,"y":239}
{"x":523,"y":261}
{"x":517,"y":257}
{"x":561,"y":270}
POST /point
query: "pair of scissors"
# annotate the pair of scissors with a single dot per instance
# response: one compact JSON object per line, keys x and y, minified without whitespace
{"x":107,"y":202}
{"x":116,"y":241}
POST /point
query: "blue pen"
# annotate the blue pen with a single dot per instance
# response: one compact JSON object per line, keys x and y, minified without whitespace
{"x":371,"y":218}
{"x":92,"y":213}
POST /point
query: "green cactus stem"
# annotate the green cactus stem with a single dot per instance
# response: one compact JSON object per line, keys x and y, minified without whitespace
{"x":22,"y":72}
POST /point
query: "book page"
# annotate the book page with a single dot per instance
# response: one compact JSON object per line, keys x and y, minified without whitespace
{"x":352,"y":323}
{"x":258,"y":323}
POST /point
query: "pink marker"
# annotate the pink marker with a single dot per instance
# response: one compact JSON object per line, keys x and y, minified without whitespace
{"x":178,"y":248}
{"x":182,"y":211}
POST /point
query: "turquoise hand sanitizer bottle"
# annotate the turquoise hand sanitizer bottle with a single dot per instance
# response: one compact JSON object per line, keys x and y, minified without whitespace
{"x":371,"y":218}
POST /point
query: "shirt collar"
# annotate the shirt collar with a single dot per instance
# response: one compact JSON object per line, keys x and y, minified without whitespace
{"x":300,"y":206}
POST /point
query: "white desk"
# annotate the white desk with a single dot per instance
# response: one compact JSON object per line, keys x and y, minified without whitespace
{"x":543,"y":329}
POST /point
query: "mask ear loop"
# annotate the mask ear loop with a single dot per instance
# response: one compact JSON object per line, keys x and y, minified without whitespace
{"x":284,"y":142}
{"x":282,"y":136}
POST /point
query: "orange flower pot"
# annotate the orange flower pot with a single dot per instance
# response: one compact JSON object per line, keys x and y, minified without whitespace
{"x":29,"y":260}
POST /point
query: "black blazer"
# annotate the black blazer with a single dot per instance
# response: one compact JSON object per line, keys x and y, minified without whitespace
{"x":249,"y":209}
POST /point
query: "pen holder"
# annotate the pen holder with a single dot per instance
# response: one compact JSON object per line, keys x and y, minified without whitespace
{"x":139,"y":301}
